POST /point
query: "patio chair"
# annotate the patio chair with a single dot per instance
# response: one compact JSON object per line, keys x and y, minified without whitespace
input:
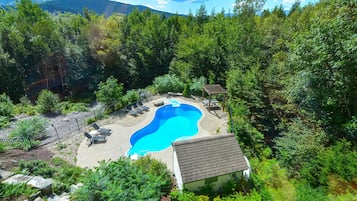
{"x":206,"y":103}
{"x":142,"y":106}
{"x":137,"y":108}
{"x":103,"y":131}
{"x":94,"y":138}
{"x":131,"y":111}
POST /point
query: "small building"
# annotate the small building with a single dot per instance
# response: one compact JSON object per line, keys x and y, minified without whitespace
{"x":209,"y":160}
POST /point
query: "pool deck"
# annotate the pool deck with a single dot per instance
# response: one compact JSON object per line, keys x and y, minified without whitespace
{"x":124,"y":125}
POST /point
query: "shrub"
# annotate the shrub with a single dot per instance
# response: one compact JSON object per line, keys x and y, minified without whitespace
{"x":168,"y":83}
{"x":186,"y":91}
{"x":118,"y":180}
{"x":177,"y":195}
{"x":2,"y":147}
{"x":90,"y":120}
{"x":197,"y":85}
{"x":339,"y":160}
{"x":4,"y":121}
{"x":6,"y":110}
{"x":16,"y":191}
{"x":67,"y":107}
{"x":28,"y":131}
{"x":157,"y":169}
{"x":47,"y":102}
{"x":36,"y":167}
{"x":99,"y":112}
{"x":65,"y":175}
{"x":6,"y":106}
{"x":25,"y":107}
{"x":131,"y":96}
{"x":110,"y":93}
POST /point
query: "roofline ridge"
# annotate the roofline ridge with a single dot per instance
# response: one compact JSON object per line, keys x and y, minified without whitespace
{"x":206,"y":138}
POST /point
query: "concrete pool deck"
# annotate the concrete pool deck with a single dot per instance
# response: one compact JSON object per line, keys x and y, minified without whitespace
{"x":124,"y":125}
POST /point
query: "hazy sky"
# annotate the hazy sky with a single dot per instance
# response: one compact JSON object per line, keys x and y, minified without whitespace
{"x":184,"y":6}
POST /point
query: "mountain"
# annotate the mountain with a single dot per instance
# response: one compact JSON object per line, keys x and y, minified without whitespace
{"x":101,"y":7}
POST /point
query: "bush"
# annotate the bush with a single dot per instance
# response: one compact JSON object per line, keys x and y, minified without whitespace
{"x":119,"y":180}
{"x":90,"y":120}
{"x":338,"y":160}
{"x":197,"y":85}
{"x":6,"y":106}
{"x":4,"y":121}
{"x":6,"y":110}
{"x":177,"y":195}
{"x":2,"y":147}
{"x":168,"y":83}
{"x":186,"y":91}
{"x":16,"y":191}
{"x":28,"y":131}
{"x":36,"y":167}
{"x":67,"y":107}
{"x":47,"y":102}
{"x":131,"y":96}
{"x":157,"y":169}
{"x":110,"y":93}
{"x":65,"y":175}
{"x":99,"y":112}
{"x":25,"y":107}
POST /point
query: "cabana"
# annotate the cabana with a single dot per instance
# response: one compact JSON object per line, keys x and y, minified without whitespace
{"x":214,"y":89}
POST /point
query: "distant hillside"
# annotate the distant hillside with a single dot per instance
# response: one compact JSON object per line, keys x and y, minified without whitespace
{"x":105,"y":7}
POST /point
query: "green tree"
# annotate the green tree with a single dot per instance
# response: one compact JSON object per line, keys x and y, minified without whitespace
{"x":298,"y":145}
{"x":47,"y":102}
{"x":248,"y":7}
{"x":110,"y":93}
{"x":324,"y":59}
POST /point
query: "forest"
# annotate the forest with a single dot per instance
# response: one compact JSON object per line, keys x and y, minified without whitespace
{"x":291,"y":78}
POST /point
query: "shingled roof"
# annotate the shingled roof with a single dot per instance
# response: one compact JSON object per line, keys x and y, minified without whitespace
{"x":214,"y":89}
{"x":208,"y":157}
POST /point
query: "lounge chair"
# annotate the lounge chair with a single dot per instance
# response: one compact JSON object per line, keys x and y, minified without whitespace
{"x":103,"y":131}
{"x":137,"y":108}
{"x":207,"y":103}
{"x":174,"y":94}
{"x":143,"y":107}
{"x":131,"y":111}
{"x":158,"y":103}
{"x":94,"y":138}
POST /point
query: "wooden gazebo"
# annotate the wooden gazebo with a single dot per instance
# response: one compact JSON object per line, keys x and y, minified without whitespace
{"x":213,"y":89}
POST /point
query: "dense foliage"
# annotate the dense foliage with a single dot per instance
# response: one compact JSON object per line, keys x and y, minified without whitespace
{"x":291,"y":82}
{"x":144,"y":179}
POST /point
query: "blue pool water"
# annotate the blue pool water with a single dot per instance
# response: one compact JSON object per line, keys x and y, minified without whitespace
{"x":171,"y":122}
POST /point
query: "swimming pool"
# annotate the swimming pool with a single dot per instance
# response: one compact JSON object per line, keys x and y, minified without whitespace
{"x":171,"y":122}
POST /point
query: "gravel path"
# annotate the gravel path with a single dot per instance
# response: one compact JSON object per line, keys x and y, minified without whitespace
{"x":59,"y":126}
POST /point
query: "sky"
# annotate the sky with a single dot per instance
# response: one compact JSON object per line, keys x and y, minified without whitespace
{"x":185,"y":6}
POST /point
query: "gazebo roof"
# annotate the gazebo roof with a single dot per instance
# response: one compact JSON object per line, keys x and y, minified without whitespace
{"x":214,"y":89}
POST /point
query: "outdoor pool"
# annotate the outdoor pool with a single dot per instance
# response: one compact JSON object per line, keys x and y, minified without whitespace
{"x":171,"y":122}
